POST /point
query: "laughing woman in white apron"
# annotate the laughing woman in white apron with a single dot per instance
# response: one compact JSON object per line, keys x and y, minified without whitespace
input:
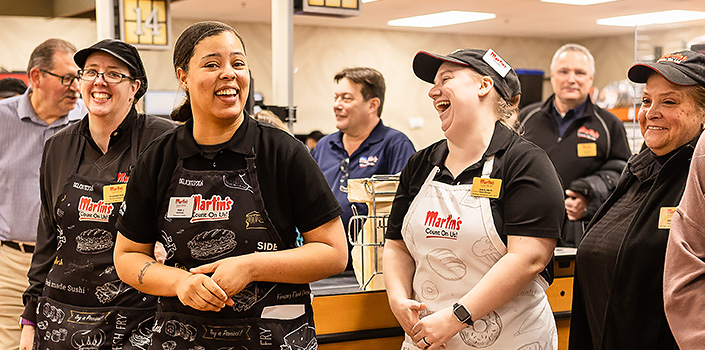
{"x":475,"y":218}
{"x":226,"y":194}
{"x":75,"y":298}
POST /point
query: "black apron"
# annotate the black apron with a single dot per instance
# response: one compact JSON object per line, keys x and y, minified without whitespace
{"x":84,"y":304}
{"x":211,"y":215}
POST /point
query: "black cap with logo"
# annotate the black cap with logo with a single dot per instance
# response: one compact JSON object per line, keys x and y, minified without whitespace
{"x":124,"y":52}
{"x":485,"y":62}
{"x":684,"y":68}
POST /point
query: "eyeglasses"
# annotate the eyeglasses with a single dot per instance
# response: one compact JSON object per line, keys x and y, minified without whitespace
{"x":110,"y":77}
{"x":344,"y":167}
{"x":66,"y":80}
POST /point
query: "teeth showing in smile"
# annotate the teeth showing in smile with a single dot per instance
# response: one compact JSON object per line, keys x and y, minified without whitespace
{"x":100,"y":96}
{"x":442,"y":105}
{"x":656,"y":128}
{"x":226,"y":92}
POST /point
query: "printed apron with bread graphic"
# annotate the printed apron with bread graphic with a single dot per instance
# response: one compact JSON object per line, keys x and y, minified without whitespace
{"x":452,"y":238}
{"x":209,"y":216}
{"x":84,"y":304}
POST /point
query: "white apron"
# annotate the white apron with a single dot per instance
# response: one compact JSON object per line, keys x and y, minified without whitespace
{"x":453,"y":240}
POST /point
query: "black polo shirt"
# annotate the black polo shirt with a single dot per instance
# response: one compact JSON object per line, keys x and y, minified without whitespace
{"x":295,"y":193}
{"x":530,"y":201}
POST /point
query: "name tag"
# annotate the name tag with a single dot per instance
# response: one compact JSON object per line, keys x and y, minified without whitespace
{"x":665,"y":216}
{"x":114,"y":193}
{"x":180,"y":207}
{"x":587,"y":149}
{"x":485,"y":187}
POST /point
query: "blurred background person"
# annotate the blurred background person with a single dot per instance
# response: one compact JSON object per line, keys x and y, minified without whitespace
{"x":587,"y":144}
{"x":10,"y":87}
{"x":619,"y":271}
{"x":26,"y":122}
{"x":684,"y":268}
{"x":226,"y":195}
{"x":269,"y":117}
{"x":475,"y":218}
{"x":312,"y":139}
{"x":363,"y":146}
{"x":84,"y":173}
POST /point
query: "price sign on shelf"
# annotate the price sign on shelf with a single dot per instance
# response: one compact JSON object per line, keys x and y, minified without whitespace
{"x":145,"y":23}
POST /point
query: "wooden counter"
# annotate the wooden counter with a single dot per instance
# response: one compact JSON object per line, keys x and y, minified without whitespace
{"x":363,"y":320}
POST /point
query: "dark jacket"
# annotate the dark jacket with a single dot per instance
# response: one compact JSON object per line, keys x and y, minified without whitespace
{"x":592,"y":176}
{"x":635,"y":318}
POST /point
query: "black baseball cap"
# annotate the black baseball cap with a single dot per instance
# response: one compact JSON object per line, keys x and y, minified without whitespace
{"x":11,"y":86}
{"x":124,"y":52}
{"x":684,"y":68}
{"x":485,"y":62}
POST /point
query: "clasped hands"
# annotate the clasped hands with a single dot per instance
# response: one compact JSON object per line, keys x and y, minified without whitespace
{"x":430,"y":332}
{"x":204,"y":293}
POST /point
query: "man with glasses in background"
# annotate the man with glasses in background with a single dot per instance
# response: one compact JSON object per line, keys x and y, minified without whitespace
{"x":363,"y":146}
{"x":26,"y":122}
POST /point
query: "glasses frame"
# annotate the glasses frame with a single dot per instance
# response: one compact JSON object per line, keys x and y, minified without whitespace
{"x":99,"y":74}
{"x":62,"y":77}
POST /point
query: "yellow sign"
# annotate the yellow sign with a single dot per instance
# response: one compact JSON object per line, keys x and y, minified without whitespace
{"x":145,"y":23}
{"x":114,"y":193}
{"x":665,"y":216}
{"x":486,"y":187}
{"x":328,"y":7}
{"x":587,"y":149}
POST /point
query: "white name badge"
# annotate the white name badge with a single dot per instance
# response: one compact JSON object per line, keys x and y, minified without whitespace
{"x":180,"y":207}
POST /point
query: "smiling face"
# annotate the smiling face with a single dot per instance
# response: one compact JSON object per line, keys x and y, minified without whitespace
{"x":455,"y":94}
{"x":667,"y":117}
{"x":218,"y":79}
{"x":571,"y":78}
{"x":107,"y":99}
{"x":352,"y":113}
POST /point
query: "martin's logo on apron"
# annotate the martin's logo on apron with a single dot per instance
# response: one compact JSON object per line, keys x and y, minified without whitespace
{"x":442,"y":226}
{"x":99,"y":211}
{"x":213,"y":209}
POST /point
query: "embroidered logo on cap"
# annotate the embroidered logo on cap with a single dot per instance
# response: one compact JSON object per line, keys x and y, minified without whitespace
{"x":673,"y":57}
{"x":496,"y":62}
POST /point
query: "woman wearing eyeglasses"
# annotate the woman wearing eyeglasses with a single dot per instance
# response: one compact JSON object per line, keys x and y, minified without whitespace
{"x":75,"y":299}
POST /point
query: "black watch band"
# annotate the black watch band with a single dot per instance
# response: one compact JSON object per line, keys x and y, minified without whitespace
{"x":462,"y":314}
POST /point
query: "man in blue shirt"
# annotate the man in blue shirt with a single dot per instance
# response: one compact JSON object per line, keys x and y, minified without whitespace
{"x":26,"y":122}
{"x":363,"y":146}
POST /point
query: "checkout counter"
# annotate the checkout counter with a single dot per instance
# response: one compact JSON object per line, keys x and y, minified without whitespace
{"x":351,"y":310}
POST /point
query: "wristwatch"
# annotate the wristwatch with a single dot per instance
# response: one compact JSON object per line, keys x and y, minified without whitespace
{"x":462,"y":314}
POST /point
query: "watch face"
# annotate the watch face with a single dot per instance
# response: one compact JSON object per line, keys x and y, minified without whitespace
{"x":461,"y":313}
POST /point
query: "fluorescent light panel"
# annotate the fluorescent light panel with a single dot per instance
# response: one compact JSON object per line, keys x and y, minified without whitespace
{"x":441,"y":19}
{"x":578,"y":2}
{"x":644,"y":19}
{"x":366,"y":1}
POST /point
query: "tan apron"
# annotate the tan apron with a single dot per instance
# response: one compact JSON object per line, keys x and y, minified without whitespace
{"x":453,"y":240}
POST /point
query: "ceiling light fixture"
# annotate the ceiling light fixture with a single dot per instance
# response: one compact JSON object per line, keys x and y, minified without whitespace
{"x":578,"y":2}
{"x":441,"y":19}
{"x":644,"y":19}
{"x":366,"y":1}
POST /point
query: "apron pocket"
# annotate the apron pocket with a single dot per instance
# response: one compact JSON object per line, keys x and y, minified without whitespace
{"x":179,"y":331}
{"x":64,"y":326}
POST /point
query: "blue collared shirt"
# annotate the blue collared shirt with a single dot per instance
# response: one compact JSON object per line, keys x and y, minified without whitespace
{"x":384,"y":152}
{"x":22,"y":138}
{"x":570,"y":116}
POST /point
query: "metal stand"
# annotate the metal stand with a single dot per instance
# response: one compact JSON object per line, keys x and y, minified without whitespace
{"x":376,"y":222}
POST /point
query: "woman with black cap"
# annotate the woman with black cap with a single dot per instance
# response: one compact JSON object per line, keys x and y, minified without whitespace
{"x":619,"y":270}
{"x":475,"y":218}
{"x":226,"y":194}
{"x":75,"y":299}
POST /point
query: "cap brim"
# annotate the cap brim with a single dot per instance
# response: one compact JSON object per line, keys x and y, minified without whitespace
{"x":426,"y":65}
{"x":640,"y":73}
{"x":81,"y":56}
